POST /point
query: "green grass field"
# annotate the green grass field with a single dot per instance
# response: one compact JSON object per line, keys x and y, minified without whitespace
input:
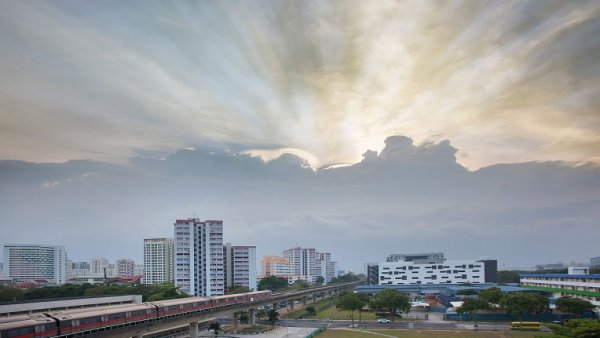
{"x":343,"y":333}
{"x":326,"y":310}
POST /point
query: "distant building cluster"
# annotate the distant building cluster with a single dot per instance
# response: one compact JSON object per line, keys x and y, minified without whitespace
{"x":195,"y":259}
{"x":431,"y":268}
{"x":298,"y":263}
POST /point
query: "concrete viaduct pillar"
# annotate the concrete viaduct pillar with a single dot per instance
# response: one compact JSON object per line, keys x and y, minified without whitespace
{"x":274,"y":305}
{"x":193,"y":329}
{"x":236,"y":321}
{"x":252,"y":316}
{"x":304,"y":300}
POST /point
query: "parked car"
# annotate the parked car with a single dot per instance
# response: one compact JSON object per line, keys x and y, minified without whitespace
{"x":383,"y":320}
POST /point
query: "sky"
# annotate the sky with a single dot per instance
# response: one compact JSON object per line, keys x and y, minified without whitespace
{"x":359,"y":128}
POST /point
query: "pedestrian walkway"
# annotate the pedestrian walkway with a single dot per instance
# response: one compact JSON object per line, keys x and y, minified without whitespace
{"x":281,"y":332}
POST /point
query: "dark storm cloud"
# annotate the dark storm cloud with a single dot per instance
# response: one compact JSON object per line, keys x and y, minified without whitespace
{"x":407,"y":198}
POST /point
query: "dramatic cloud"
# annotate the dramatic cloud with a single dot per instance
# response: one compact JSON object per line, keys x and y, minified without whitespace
{"x":110,"y":80}
{"x":407,"y":198}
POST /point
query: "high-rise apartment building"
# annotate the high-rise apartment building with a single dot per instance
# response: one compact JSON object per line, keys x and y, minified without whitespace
{"x":275,"y":266}
{"x":27,"y":262}
{"x":198,"y":249}
{"x":158,"y":260}
{"x":239,"y":266}
{"x":303,"y":262}
{"x":99,"y":266}
{"x":124,"y":267}
{"x":325,"y":267}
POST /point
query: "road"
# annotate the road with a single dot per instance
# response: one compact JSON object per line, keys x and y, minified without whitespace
{"x":423,"y":325}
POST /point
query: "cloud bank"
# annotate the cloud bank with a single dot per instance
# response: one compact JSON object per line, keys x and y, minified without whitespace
{"x":408,"y":197}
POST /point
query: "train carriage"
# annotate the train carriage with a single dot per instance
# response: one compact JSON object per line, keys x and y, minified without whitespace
{"x":182,"y":305}
{"x":28,"y":327}
{"x":83,"y":320}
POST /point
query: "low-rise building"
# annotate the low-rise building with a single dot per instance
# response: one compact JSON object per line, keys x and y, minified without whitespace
{"x":576,"y":283}
{"x":432,"y":268}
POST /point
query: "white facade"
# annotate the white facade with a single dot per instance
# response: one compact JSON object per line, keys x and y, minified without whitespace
{"x":275,"y":266}
{"x":198,"y":250}
{"x":303,"y":261}
{"x":124,"y":267}
{"x":325,"y":267}
{"x":448,"y":272}
{"x":27,"y":262}
{"x":158,"y":261}
{"x":98,"y":265}
{"x":240,"y":266}
{"x":581,"y":286}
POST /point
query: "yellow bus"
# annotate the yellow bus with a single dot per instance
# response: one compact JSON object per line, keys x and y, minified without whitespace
{"x":525,"y":326}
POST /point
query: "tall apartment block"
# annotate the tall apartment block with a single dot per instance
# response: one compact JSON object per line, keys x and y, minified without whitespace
{"x":124,"y":267}
{"x":325,"y":267}
{"x":239,"y":266}
{"x":27,"y":262}
{"x":303,"y":261}
{"x":99,"y":266}
{"x":275,"y":266}
{"x":198,"y":249}
{"x":158,"y":260}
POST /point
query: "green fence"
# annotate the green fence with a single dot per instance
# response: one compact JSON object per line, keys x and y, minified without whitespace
{"x":500,"y":317}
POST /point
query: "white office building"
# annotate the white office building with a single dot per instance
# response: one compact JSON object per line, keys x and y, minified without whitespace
{"x":198,"y":250}
{"x":239,"y":265}
{"x":27,"y":262}
{"x":446,"y":272}
{"x":158,"y":260}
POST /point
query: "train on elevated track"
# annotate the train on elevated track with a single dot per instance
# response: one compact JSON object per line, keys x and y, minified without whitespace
{"x":73,"y":323}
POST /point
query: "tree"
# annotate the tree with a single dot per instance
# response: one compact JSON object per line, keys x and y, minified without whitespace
{"x":350,"y":302}
{"x":576,"y":328}
{"x":473,"y":305}
{"x":272,"y":316}
{"x":466,"y":292}
{"x":215,"y":327}
{"x":519,"y":304}
{"x":574,"y":306}
{"x":272,"y":283}
{"x":244,"y":317}
{"x":391,"y":301}
{"x":311,"y":311}
{"x":493,"y":296}
{"x":320,"y":280}
{"x":508,"y":277}
{"x":11,"y":294}
{"x":300,"y":285}
{"x":261,"y":313}
{"x":235,"y":289}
